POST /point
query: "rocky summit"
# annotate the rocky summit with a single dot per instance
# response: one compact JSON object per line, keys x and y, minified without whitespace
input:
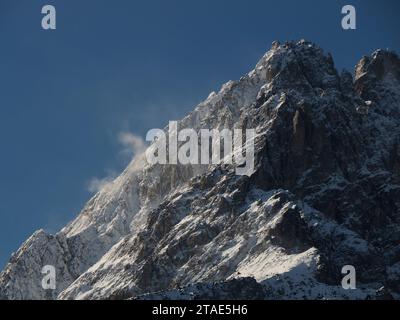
{"x":325,"y":193}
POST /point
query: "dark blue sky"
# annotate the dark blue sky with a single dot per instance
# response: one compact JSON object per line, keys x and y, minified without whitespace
{"x":124,"y":65}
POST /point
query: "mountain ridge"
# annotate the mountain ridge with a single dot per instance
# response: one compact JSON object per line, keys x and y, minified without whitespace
{"x":323,"y":195}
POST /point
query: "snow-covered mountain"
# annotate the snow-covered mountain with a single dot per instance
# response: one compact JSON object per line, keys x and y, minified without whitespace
{"x":325,"y":193}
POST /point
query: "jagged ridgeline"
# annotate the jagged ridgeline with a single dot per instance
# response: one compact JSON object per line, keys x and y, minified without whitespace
{"x":325,"y":193}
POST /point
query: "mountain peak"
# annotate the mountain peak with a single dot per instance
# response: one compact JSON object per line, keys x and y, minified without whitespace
{"x":302,"y":65}
{"x":380,"y":65}
{"x":377,"y":79}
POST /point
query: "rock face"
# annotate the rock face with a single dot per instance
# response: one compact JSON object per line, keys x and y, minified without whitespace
{"x":325,"y":193}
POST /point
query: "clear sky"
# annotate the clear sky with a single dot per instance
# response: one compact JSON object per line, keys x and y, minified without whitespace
{"x":117,"y":66}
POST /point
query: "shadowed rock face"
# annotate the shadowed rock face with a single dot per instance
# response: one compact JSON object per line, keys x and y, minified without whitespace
{"x":325,"y":194}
